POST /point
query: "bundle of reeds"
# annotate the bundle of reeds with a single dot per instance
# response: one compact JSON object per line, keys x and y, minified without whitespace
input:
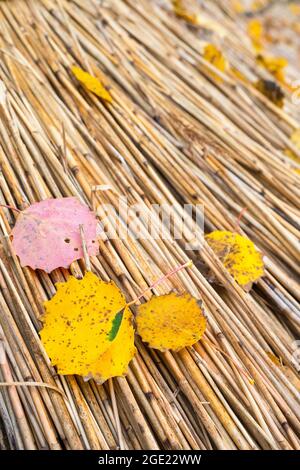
{"x":178,"y":131}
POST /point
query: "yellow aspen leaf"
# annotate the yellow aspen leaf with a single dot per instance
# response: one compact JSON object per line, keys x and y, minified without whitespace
{"x":91,"y":83}
{"x":295,"y":138}
{"x":275,"y":65}
{"x":271,"y":90}
{"x":257,"y":5}
{"x":181,"y":11}
{"x":114,"y":361}
{"x":239,"y":256}
{"x":215,"y":57}
{"x":255,"y":31}
{"x":170,"y":321}
{"x":236,"y":73}
{"x":80,"y":322}
{"x":295,"y":8}
{"x":275,"y":359}
{"x":237,"y":6}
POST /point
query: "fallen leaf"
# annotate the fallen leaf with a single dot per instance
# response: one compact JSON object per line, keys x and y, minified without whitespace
{"x":271,"y":90}
{"x":237,"y":6}
{"x":91,"y":83}
{"x":239,"y":256}
{"x":181,"y":11}
{"x":236,"y":73}
{"x":255,"y":31}
{"x":170,"y":321}
{"x":114,"y":361}
{"x":275,"y":359}
{"x":295,"y":8}
{"x":215,"y":57}
{"x":275,"y":65}
{"x":78,"y":323}
{"x":47,"y":235}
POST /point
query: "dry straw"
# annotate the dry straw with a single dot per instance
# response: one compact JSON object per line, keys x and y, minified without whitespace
{"x":174,"y":133}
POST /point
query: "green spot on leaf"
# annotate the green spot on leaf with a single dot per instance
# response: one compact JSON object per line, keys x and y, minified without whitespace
{"x":116,"y":323}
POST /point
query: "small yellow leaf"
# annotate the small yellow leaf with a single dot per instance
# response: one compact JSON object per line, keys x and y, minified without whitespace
{"x":239,"y":256}
{"x":271,"y":90}
{"x":275,"y":359}
{"x":237,"y":6}
{"x":295,"y":138}
{"x":215,"y":57}
{"x":181,"y":11}
{"x":236,"y":73}
{"x":114,"y":361}
{"x":275,"y":65}
{"x":78,"y":322}
{"x":255,"y":31}
{"x":295,"y":9}
{"x":91,"y":83}
{"x":170,"y":321}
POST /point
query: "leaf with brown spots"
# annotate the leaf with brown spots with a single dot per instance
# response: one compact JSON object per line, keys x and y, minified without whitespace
{"x":78,"y":323}
{"x":239,"y":256}
{"x":170,"y":321}
{"x":114,"y":361}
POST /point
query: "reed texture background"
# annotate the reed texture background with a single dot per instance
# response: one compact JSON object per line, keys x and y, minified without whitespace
{"x":177,"y":131}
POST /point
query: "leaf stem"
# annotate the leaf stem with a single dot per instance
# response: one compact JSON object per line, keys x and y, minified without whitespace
{"x":175,"y":270}
{"x":10,"y":207}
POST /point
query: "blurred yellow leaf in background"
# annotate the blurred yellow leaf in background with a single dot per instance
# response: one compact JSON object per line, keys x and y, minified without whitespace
{"x":181,"y":10}
{"x":255,"y":32}
{"x":239,"y":256}
{"x":271,"y":90}
{"x":91,"y":83}
{"x":215,"y":57}
{"x":275,"y":65}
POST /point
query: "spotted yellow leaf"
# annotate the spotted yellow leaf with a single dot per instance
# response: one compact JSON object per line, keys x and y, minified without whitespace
{"x":91,"y":83}
{"x":271,"y":90}
{"x":215,"y":57}
{"x":180,"y":10}
{"x":239,"y":255}
{"x":275,"y":65}
{"x":80,"y":323}
{"x":170,"y":321}
{"x":114,"y":361}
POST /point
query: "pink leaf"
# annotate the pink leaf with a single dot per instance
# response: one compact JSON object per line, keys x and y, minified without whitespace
{"x":47,"y":235}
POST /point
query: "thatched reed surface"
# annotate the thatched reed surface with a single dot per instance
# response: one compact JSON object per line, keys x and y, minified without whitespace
{"x":175,"y":133}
